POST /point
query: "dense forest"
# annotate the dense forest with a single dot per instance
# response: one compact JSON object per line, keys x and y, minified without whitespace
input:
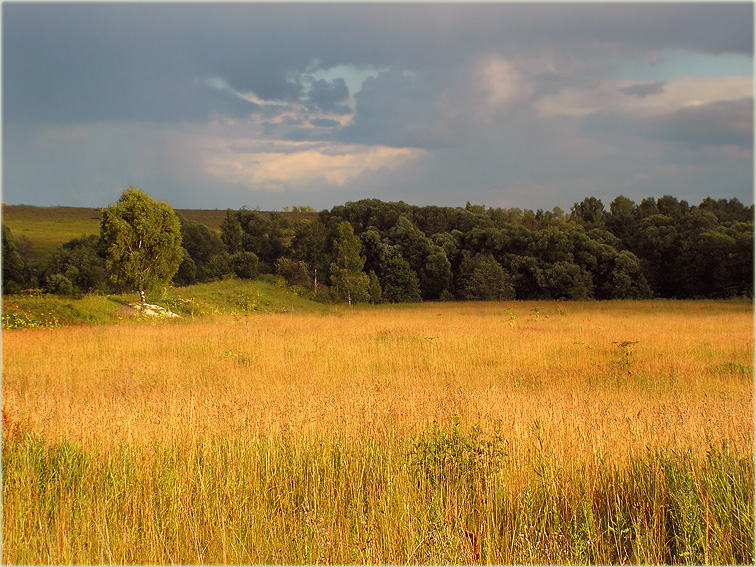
{"x":376,"y":251}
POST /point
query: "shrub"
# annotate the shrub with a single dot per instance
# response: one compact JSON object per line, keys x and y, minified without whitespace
{"x":294,"y":272}
{"x":59,"y":284}
{"x":245,"y":265}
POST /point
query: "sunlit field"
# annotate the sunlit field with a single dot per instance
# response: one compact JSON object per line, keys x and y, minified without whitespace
{"x":518,"y":432}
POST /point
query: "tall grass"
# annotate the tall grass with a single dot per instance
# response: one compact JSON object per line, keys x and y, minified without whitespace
{"x":431,"y":434}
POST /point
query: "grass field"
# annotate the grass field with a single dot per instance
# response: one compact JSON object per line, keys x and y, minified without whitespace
{"x":522,"y":432}
{"x":46,"y":228}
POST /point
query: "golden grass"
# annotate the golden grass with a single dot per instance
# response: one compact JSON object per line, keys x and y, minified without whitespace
{"x":548,"y":378}
{"x":363,"y":372}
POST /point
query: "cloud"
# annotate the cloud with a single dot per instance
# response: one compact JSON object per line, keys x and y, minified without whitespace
{"x":394,"y":108}
{"x":91,"y":164}
{"x":325,"y":122}
{"x":304,"y":167}
{"x":93,"y":62}
{"x":406,"y":108}
{"x":329,"y":96}
{"x":720,"y":123}
{"x":436,"y":102}
{"x":642,"y":90}
{"x":498,"y":86}
{"x":607,"y":95}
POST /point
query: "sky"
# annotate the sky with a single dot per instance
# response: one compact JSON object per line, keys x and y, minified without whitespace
{"x":273,"y":105}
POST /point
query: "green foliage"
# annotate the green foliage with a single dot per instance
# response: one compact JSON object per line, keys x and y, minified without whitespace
{"x":13,"y":268}
{"x":59,"y":284}
{"x":565,"y":280}
{"x":187,"y":270}
{"x":483,"y":278}
{"x":142,"y":241}
{"x":294,"y":272}
{"x":627,"y":279}
{"x":347,"y":277}
{"x":263,"y":236}
{"x":245,"y":265}
{"x":48,"y":311}
{"x":309,"y":244}
{"x":589,"y":213}
{"x":81,"y":262}
{"x":202,"y":245}
{"x":220,"y":267}
{"x":43,"y":229}
{"x":399,"y":282}
{"x":233,"y":296}
{"x":437,"y":273}
{"x":231,"y":232}
{"x":657,"y":248}
{"x":442,"y":457}
{"x":230,"y":296}
{"x":20,"y":320}
{"x":374,"y":288}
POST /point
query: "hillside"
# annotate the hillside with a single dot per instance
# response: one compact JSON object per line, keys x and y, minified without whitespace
{"x":227,"y":297}
{"x":42,"y":229}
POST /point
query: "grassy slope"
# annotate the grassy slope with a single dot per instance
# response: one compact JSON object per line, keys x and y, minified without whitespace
{"x":49,"y":227}
{"x":232,"y":297}
{"x":46,"y":228}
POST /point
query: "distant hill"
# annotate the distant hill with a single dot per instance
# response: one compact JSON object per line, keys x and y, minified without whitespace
{"x":42,"y":229}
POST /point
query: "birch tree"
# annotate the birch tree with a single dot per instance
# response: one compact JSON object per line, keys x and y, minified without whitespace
{"x":142,"y":241}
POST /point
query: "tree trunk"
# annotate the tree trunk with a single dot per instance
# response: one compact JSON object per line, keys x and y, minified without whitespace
{"x":142,"y":300}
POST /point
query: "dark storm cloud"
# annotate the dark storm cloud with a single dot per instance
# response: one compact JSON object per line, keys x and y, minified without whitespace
{"x":642,"y":90}
{"x":329,"y":96}
{"x":716,"y":124}
{"x":79,"y":62}
{"x":489,"y":97}
{"x":384,"y":111}
{"x":722,"y":123}
{"x":396,"y":108}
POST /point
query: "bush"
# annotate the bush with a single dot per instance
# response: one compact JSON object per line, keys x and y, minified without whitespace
{"x":219,"y":267}
{"x":187,"y":271}
{"x":245,"y":265}
{"x":80,"y":262}
{"x":294,"y":272}
{"x":14,"y":268}
{"x":59,"y":284}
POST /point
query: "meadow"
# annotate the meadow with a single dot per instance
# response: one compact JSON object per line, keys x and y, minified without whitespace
{"x":502,"y":432}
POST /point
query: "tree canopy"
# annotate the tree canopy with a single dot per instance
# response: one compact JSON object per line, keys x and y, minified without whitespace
{"x":13,"y":265}
{"x":395,"y":252}
{"x":141,"y":239}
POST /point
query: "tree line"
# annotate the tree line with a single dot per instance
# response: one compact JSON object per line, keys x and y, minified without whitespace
{"x":375,"y":251}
